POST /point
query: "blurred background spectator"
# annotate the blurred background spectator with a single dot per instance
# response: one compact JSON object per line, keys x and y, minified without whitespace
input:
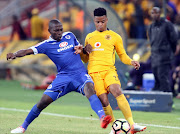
{"x":28,"y":27}
{"x":36,"y":25}
{"x":17,"y":29}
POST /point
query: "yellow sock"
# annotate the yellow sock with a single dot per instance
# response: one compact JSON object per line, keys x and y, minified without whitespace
{"x":108,"y":111}
{"x":125,"y":108}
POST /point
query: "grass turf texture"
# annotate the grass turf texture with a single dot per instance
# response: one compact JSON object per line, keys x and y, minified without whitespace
{"x":73,"y":104}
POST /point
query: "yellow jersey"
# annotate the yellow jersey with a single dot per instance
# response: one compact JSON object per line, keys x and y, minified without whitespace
{"x":36,"y":27}
{"x":104,"y":45}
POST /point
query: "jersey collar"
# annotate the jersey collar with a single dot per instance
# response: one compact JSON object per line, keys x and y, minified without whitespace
{"x":51,"y":39}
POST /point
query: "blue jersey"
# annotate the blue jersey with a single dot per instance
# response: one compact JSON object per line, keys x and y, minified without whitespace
{"x":72,"y":75}
{"x":62,"y":53}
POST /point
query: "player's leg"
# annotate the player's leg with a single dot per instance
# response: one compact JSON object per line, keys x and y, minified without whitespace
{"x":157,"y":82}
{"x":87,"y":88}
{"x":123,"y":105}
{"x":34,"y":113}
{"x":101,"y":92}
{"x":122,"y":102}
{"x":106,"y":106}
{"x":53,"y":92}
{"x":113,"y":84}
{"x":93,"y":99}
{"x":96,"y":104}
{"x":164,"y":77}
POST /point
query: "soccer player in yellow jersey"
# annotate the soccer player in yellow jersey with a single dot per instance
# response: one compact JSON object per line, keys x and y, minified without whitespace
{"x":101,"y":45}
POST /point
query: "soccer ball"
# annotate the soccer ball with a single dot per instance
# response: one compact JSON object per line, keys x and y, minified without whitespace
{"x":121,"y":126}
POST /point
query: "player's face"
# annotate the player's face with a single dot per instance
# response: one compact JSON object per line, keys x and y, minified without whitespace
{"x":155,"y":14}
{"x":101,"y":23}
{"x":56,"y":31}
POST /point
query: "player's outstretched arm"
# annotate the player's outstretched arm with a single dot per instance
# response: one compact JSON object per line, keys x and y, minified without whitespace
{"x":20,"y":53}
{"x":86,"y":50}
{"x":135,"y":64}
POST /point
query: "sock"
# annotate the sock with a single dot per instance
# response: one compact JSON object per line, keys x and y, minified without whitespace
{"x":108,"y":111}
{"x":96,"y":105}
{"x":125,"y":108}
{"x":31,"y":116}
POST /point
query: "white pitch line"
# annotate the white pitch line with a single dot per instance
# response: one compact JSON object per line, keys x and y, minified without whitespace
{"x":77,"y":117}
{"x":152,"y":125}
{"x":45,"y":113}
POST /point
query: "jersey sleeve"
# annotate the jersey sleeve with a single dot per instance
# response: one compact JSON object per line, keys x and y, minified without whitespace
{"x":76,"y":42}
{"x":121,"y":51}
{"x":86,"y":41}
{"x":39,"y":48}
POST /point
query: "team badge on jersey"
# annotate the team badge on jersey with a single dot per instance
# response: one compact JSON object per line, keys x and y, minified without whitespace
{"x":67,"y":36}
{"x":63,"y":44}
{"x":108,"y":37}
{"x":50,"y":86}
{"x":97,"y":44}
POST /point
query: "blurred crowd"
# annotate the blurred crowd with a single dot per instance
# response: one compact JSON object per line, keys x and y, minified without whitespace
{"x":32,"y":31}
{"x":136,"y":14}
{"x":136,"y":18}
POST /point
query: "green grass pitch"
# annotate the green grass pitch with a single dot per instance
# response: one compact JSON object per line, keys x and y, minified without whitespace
{"x":71,"y":114}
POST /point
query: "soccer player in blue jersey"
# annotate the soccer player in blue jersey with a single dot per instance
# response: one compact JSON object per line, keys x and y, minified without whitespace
{"x":71,"y":76}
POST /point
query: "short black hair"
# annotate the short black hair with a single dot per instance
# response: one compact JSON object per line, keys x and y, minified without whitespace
{"x":54,"y":21}
{"x":100,"y":11}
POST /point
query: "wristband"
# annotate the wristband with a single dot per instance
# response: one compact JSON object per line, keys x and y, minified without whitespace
{"x":84,"y":52}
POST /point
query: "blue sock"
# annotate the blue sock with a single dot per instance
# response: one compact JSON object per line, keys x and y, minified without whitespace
{"x":96,"y":105}
{"x":31,"y":116}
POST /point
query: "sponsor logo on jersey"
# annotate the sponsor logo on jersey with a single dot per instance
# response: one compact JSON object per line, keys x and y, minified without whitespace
{"x":68,"y":37}
{"x":64,"y":48}
{"x":108,"y":37}
{"x":63,"y":44}
{"x":97,"y":44}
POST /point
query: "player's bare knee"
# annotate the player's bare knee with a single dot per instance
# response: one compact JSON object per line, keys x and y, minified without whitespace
{"x":40,"y":105}
{"x":115,"y":89}
{"x":44,"y":102}
{"x":89,"y":89}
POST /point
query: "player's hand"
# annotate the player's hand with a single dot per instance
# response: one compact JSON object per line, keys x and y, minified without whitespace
{"x":11,"y":56}
{"x":78,"y":49}
{"x":135,"y":64}
{"x":88,"y":48}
